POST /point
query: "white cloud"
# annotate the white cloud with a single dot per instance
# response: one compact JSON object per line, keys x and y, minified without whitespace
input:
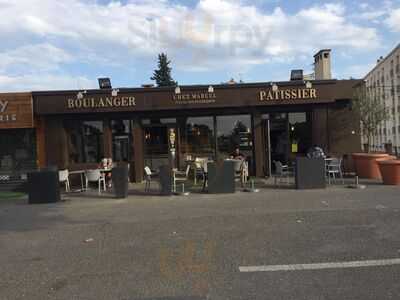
{"x":394,"y":20}
{"x":356,"y":71}
{"x":39,"y":82}
{"x":44,"y":57}
{"x":215,"y":34}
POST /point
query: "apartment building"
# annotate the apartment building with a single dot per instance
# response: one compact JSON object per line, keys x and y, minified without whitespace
{"x":385,"y":78}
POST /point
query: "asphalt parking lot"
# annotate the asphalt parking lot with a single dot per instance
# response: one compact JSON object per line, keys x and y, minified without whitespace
{"x":336,"y":243}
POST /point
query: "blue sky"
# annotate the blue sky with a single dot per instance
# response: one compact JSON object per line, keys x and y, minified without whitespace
{"x":51,"y":44}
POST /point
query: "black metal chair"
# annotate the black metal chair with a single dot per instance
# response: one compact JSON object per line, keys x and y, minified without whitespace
{"x":282,"y":172}
{"x":148,"y":176}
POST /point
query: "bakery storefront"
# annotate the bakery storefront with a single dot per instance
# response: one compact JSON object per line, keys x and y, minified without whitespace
{"x":18,"y":148}
{"x":157,"y":126}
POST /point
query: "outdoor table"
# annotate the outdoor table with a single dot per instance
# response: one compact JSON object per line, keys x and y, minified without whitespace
{"x":82,"y":175}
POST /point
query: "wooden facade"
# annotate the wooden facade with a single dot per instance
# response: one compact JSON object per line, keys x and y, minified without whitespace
{"x":328,"y":102}
{"x":16,"y":111}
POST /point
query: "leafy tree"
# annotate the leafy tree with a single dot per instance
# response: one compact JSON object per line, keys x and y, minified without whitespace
{"x":162,"y":75}
{"x":370,"y":107}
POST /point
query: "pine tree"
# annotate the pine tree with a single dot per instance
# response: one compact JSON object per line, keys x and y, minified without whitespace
{"x":162,"y":75}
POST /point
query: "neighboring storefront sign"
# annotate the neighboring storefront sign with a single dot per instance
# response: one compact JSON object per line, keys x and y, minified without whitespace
{"x":16,"y":110}
{"x":288,"y":94}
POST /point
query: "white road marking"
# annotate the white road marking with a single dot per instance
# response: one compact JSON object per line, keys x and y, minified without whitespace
{"x":322,"y":266}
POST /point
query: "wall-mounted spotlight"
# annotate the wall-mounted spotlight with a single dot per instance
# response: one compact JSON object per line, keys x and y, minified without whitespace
{"x":114,"y":92}
{"x":80,"y":94}
{"x":211,"y":89}
{"x":177,"y":90}
{"x":274,"y":87}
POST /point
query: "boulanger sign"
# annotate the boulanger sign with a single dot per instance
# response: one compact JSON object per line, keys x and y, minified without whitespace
{"x":288,"y":94}
{"x":16,"y":111}
{"x":101,"y":102}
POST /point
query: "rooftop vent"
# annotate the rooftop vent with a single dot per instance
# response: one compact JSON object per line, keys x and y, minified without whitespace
{"x":104,"y":83}
{"x":148,"y":85}
{"x":296,"y":75}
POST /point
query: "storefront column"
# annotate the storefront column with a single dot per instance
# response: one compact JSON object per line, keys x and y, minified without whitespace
{"x":259,"y":151}
{"x":40,"y":143}
{"x":55,"y":135}
{"x":107,"y":138}
{"x":320,"y":128}
{"x":138,"y":151}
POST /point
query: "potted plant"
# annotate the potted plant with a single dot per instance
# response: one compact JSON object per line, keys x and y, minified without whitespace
{"x":369,"y":105}
{"x":390,"y":170}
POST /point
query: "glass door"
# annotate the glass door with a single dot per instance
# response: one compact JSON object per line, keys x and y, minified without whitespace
{"x":161,"y":144}
{"x":267,"y":147}
{"x":121,"y":140}
{"x":279,"y":137}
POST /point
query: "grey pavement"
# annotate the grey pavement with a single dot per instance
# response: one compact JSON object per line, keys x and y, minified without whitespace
{"x":175,"y":248}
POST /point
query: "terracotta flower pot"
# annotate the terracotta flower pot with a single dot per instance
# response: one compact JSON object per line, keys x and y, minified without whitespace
{"x":390,"y":170}
{"x":366,"y":164}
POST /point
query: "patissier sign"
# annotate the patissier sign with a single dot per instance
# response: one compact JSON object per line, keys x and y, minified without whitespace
{"x":288,"y":94}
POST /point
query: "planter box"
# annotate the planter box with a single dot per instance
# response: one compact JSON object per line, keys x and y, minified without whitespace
{"x":366,"y":164}
{"x":43,"y":187}
{"x":310,"y":173}
{"x":119,"y":176}
{"x":221,"y":178}
{"x":165,"y":180}
{"x":390,"y":170}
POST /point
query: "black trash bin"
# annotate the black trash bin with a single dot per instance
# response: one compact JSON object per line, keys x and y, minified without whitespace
{"x":120,"y":180}
{"x":43,"y":186}
{"x":165,"y":176}
{"x":221,"y":178}
{"x":310,"y":173}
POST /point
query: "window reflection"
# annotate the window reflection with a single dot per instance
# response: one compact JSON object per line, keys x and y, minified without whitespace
{"x":197,"y":137}
{"x":121,"y":140}
{"x":18,"y":150}
{"x":300,"y":132}
{"x":85,"y":141}
{"x":235,"y":132}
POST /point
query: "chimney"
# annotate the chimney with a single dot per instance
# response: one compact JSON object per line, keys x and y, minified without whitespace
{"x":322,"y":65}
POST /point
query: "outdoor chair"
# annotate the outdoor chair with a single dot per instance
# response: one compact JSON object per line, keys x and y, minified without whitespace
{"x":96,"y":176}
{"x":334,"y":169}
{"x":282,"y":172}
{"x":180,"y":176}
{"x":241,"y":170}
{"x":199,"y":168}
{"x":63,"y":176}
{"x":149,"y":174}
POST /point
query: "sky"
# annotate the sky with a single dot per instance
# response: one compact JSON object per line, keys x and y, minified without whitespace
{"x":68,"y":44}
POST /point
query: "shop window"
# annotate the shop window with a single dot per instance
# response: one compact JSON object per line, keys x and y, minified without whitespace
{"x":197,"y":137}
{"x":121,"y":140}
{"x":18,"y":150}
{"x":235,"y":132}
{"x":300,"y":132}
{"x":85,"y":141}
